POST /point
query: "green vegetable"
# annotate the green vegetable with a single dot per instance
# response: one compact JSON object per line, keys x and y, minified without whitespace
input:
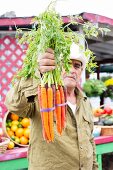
{"x":108,"y":121}
{"x":94,"y":87}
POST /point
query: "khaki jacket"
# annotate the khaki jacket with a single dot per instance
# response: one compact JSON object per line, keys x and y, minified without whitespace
{"x":74,"y":150}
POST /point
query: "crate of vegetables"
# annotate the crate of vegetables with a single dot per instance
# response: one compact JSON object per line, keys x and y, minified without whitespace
{"x":105,"y":115}
{"x":16,"y":128}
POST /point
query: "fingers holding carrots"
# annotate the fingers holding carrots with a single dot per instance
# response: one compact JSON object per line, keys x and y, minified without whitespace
{"x":46,"y":61}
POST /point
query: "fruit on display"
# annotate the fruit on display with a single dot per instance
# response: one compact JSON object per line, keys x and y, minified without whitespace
{"x":14,"y":116}
{"x":17,"y":129}
{"x":11,"y":145}
{"x":107,"y":110}
{"x":97,"y":112}
{"x":105,"y":115}
{"x":25,"y":122}
{"x":24,"y":140}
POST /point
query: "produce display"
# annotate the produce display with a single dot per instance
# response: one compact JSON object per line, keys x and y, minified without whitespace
{"x":11,"y":145}
{"x":17,"y":129}
{"x":105,"y":115}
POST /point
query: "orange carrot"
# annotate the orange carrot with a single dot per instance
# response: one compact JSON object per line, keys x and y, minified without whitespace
{"x":50,"y":105}
{"x":40,"y":105}
{"x":63,"y":111}
{"x":54,"y":93}
{"x":45,"y":113}
{"x":58,"y":112}
{"x":65,"y":94}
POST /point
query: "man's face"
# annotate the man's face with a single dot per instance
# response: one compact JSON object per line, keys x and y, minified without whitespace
{"x":72,"y":79}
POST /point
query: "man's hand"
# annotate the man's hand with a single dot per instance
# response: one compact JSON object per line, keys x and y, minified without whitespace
{"x":47,"y":61}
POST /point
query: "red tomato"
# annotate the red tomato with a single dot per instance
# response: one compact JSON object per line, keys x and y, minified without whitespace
{"x":108,"y":110}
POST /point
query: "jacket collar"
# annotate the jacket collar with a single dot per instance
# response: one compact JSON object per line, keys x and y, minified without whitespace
{"x":80,"y":94}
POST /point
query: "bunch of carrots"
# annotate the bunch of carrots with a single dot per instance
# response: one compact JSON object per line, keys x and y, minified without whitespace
{"x":52,"y":106}
{"x":51,"y":91}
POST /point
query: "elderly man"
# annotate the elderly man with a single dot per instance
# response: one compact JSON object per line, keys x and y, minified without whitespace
{"x":75,"y":149}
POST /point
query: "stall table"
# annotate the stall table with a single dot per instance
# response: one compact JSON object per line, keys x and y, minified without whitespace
{"x":104,"y":144}
{"x":16,"y":159}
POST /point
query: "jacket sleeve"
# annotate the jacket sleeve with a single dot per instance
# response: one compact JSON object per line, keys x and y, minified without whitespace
{"x":91,"y":124}
{"x":20,"y":98}
{"x":95,"y":164}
